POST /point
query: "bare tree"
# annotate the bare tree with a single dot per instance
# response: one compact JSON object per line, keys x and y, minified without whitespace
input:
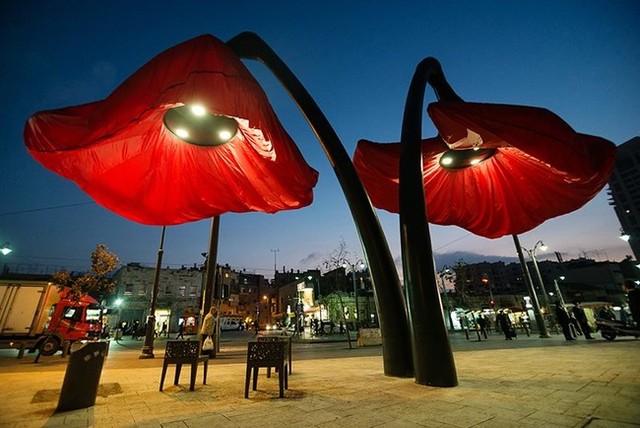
{"x":337,"y":256}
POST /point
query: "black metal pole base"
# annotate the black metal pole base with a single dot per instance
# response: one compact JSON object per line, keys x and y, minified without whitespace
{"x":146,"y":353}
{"x":147,"y":349}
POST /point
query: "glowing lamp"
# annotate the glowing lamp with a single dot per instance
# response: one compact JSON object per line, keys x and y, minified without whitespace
{"x":190,"y":135}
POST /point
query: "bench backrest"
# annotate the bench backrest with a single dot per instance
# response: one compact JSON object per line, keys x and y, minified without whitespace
{"x":266,"y":352}
{"x":182,"y":350}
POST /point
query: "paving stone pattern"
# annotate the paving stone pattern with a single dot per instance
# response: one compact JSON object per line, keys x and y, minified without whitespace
{"x":592,"y":385}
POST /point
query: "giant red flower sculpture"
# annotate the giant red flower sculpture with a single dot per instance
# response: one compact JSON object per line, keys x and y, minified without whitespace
{"x":190,"y":135}
{"x":495,"y":170}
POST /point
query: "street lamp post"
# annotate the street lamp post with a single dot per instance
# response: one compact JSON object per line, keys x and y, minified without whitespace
{"x":359,"y":263}
{"x":487,"y":282}
{"x":147,"y":349}
{"x":558,"y":291}
{"x":542,"y":326}
{"x":532,"y":253}
{"x":446,"y":272}
{"x":118,"y":331}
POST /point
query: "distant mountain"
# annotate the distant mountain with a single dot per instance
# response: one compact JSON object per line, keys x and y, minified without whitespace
{"x":450,"y":259}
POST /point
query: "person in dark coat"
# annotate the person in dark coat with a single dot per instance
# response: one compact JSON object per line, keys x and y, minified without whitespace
{"x":581,"y":317}
{"x":505,"y":324}
{"x":633,"y":297}
{"x":563,"y":319}
{"x":180,"y":334}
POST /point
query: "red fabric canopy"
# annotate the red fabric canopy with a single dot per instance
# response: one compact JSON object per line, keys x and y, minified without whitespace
{"x":119,"y":151}
{"x":541,"y":168}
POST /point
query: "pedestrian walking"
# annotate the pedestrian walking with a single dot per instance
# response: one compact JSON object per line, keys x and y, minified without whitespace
{"x":135,"y":329}
{"x":581,"y":317}
{"x":163,"y":331}
{"x":180,"y":334}
{"x":526,"y":324}
{"x":563,"y":319}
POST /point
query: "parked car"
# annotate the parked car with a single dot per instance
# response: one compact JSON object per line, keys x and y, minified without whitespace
{"x":230,"y":324}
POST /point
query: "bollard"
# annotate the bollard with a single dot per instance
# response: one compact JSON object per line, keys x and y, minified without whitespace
{"x":81,"y":380}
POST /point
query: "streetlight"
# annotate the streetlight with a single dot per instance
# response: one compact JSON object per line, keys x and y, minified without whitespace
{"x":5,"y":249}
{"x":361,"y":265}
{"x":485,"y":280}
{"x":542,"y":326}
{"x":118,"y":330}
{"x":147,"y":348}
{"x":532,"y":253}
{"x":267,"y":304}
{"x":557,"y":286}
{"x":624,"y":235}
{"x":446,"y":273}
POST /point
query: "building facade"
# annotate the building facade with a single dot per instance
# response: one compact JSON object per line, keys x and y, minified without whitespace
{"x":624,"y":190}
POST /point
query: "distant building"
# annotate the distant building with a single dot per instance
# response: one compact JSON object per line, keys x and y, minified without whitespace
{"x":581,"y":279}
{"x":180,"y":295}
{"x":624,"y":189}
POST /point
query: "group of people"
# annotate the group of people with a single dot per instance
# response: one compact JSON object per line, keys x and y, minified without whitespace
{"x":576,"y":319}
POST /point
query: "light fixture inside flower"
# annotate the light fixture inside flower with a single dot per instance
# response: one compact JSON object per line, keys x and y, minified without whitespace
{"x":128,"y":150}
{"x":195,"y":125}
{"x":464,"y":158}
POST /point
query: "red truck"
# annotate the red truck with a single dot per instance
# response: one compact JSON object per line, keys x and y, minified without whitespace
{"x":35,"y":315}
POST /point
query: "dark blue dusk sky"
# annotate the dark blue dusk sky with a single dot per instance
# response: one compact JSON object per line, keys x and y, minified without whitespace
{"x":579,"y":59}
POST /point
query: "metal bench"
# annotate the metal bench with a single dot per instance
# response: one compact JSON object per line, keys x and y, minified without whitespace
{"x":286,"y":339}
{"x":267,"y":354}
{"x":181,"y":352}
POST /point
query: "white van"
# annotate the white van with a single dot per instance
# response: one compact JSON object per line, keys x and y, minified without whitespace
{"x":230,"y":324}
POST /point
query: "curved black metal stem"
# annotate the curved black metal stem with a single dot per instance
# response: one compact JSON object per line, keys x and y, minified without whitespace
{"x":388,"y":293}
{"x":432,"y":355}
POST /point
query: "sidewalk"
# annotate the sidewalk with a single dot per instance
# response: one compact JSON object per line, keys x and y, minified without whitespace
{"x":564,"y":384}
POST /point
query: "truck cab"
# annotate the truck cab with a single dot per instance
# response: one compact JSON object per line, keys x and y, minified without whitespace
{"x":36,"y":315}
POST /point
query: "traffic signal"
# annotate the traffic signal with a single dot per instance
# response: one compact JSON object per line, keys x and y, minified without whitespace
{"x":492,"y":303}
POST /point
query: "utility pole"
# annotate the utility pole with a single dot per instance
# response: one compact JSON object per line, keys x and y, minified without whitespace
{"x":275,"y":264}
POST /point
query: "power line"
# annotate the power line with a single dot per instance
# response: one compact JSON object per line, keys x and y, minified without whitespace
{"x":451,"y":242}
{"x":32,"y":210}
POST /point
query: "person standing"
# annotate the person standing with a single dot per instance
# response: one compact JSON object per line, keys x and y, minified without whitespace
{"x":503,"y":320}
{"x":208,"y":330}
{"x":578,"y":313}
{"x":482,"y":323}
{"x":633,"y":297}
{"x":563,"y":319}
